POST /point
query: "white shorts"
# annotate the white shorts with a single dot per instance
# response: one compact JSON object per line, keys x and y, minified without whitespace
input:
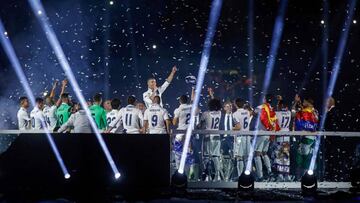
{"x":262,"y":144}
{"x":242,"y":146}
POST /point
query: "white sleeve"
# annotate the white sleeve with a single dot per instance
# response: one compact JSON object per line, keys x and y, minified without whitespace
{"x":236,"y":119}
{"x":69,"y":122}
{"x":25,"y":116}
{"x":146,"y":115}
{"x":164,"y":86}
{"x":147,"y":99}
{"x":166,"y":115}
{"x":176,"y":113}
{"x":116,"y":120}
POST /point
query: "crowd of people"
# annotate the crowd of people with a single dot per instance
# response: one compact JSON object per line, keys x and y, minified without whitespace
{"x":211,"y":157}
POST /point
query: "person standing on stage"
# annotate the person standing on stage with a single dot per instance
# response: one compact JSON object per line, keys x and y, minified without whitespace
{"x":154,"y":90}
{"x":24,"y":121}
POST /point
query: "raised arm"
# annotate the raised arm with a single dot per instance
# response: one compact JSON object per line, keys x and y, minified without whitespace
{"x":52,"y":93}
{"x":172,"y":74}
{"x":211,"y":93}
{"x":63,"y":86}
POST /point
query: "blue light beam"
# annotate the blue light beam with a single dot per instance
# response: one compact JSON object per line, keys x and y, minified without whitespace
{"x":10,"y":52}
{"x":335,"y":72}
{"x":40,"y":13}
{"x":251,"y":49}
{"x":213,"y":19}
{"x":275,"y":42}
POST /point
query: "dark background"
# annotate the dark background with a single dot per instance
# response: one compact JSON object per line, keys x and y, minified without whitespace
{"x":100,"y":39}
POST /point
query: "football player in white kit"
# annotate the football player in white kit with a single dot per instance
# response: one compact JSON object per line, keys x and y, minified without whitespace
{"x":182,"y":121}
{"x":111,"y":116}
{"x":24,"y":121}
{"x":156,"y":118}
{"x":210,"y":120}
{"x":242,"y":119}
{"x":154,"y":90}
{"x":130,"y":117}
{"x":50,"y":107}
{"x":37,"y":115}
{"x":267,"y":122}
{"x":282,"y":152}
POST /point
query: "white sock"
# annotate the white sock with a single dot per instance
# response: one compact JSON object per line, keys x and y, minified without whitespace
{"x":258,"y":165}
{"x":267,"y":162}
{"x":240,"y":166}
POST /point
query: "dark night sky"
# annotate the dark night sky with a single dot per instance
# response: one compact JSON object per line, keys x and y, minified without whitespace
{"x":98,"y":38}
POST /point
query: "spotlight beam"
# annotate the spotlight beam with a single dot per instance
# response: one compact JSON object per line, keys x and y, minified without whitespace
{"x":10,"y":52}
{"x":335,"y":72}
{"x":275,"y":42}
{"x":213,"y":19}
{"x":251,"y":48}
{"x":36,"y":6}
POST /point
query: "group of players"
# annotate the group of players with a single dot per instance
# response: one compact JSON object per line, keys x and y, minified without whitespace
{"x":211,"y":157}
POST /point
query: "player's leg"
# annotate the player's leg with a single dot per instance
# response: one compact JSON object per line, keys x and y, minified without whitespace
{"x":215,"y":152}
{"x":205,"y":158}
{"x":259,"y":145}
{"x":265,"y":156}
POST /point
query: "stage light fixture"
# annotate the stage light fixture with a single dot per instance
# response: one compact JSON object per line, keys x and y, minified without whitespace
{"x":111,"y":2}
{"x":309,"y":183}
{"x":354,"y":21}
{"x":322,"y":22}
{"x":179,"y":180}
{"x":154,"y":46}
{"x":67,"y":176}
{"x":117,"y":175}
{"x":246,"y":182}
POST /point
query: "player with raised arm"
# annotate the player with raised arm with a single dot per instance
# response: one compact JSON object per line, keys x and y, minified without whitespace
{"x":112,"y":115}
{"x":210,"y":120}
{"x":153,"y":90}
{"x":24,"y":121}
{"x":156,"y":118}
{"x":98,"y":112}
{"x":242,"y":118}
{"x":268,"y":122}
{"x":305,"y":120}
{"x":37,"y":115}
{"x":282,"y":151}
{"x":63,"y":112}
{"x":50,"y":108}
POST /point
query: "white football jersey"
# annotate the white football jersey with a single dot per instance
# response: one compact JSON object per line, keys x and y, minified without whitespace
{"x":112,"y":116}
{"x":131,"y":118}
{"x":79,"y":121}
{"x":211,"y":119}
{"x":37,"y":117}
{"x":183,"y":113}
{"x":242,"y":116}
{"x":50,"y":116}
{"x":156,"y":117}
{"x":24,"y":121}
{"x":284,"y":118}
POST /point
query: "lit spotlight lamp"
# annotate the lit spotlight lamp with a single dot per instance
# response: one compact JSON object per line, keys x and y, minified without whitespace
{"x":154,"y":46}
{"x":111,"y":2}
{"x":309,"y":183}
{"x":246,"y":181}
{"x":354,"y":21}
{"x":179,"y":180}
